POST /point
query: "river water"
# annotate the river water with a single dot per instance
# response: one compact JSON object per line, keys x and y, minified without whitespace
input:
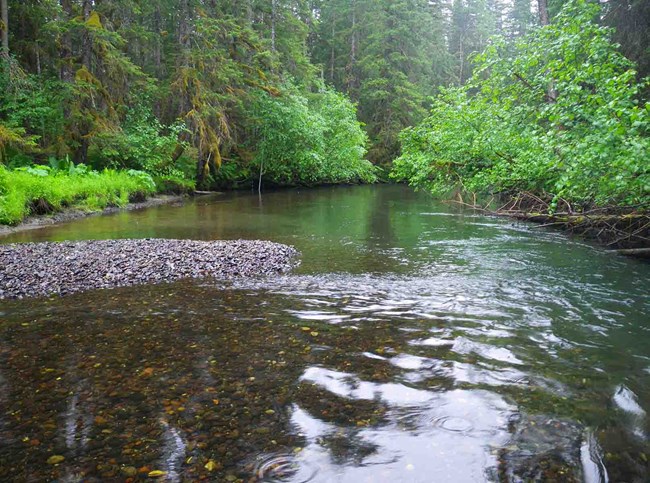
{"x":414,"y":343}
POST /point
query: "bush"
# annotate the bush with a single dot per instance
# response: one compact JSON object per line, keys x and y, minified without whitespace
{"x":40,"y":190}
{"x":174,"y":185}
{"x":556,"y":114}
{"x":309,"y":139}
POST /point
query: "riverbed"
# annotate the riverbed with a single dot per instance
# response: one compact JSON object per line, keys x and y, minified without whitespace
{"x":415,"y":342}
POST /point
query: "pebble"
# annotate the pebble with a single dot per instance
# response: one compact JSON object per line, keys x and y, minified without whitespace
{"x":52,"y":268}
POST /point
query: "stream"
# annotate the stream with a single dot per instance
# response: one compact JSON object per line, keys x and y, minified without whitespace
{"x":415,"y":342}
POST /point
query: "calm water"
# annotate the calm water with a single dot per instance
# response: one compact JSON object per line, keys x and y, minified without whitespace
{"x":414,"y":343}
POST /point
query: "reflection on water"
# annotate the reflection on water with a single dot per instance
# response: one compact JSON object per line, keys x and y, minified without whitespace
{"x":413,"y":344}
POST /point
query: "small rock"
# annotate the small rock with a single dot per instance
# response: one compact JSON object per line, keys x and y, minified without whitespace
{"x":55,"y":460}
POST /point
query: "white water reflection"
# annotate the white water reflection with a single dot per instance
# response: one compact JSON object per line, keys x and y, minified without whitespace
{"x":449,"y":436}
{"x":173,"y":450}
{"x":593,"y":469}
{"x":627,"y":401}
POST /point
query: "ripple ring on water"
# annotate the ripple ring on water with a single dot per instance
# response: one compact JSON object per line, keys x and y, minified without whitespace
{"x":283,"y":467}
{"x":453,"y":424}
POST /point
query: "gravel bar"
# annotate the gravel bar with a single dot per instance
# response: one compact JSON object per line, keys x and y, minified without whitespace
{"x":41,"y":269}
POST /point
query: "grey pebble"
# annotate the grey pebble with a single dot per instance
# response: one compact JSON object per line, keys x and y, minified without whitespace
{"x":41,"y":269}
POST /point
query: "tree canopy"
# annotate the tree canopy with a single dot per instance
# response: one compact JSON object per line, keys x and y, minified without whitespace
{"x":227,"y":92}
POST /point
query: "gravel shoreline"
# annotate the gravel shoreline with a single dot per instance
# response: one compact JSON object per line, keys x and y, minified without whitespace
{"x":41,"y":269}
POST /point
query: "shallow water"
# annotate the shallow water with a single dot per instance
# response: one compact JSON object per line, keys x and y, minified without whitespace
{"x":414,"y":343}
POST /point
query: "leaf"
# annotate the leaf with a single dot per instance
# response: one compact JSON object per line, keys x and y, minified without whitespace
{"x":156,"y":474}
{"x":94,"y":21}
{"x":213,"y":466}
{"x":55,"y":460}
{"x":147,"y":372}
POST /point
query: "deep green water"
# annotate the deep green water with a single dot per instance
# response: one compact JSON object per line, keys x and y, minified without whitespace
{"x":414,"y":343}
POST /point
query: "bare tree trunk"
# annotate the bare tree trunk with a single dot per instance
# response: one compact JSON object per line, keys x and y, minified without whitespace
{"x":158,"y":45}
{"x":65,"y":54}
{"x":461,"y":78}
{"x":332,"y":50}
{"x":183,"y":24}
{"x":353,"y":49}
{"x":542,"y":6}
{"x":86,"y":48}
{"x":249,"y":12}
{"x":38,"y":59}
{"x":4,"y":26}
{"x":81,"y":156}
{"x":274,"y":13}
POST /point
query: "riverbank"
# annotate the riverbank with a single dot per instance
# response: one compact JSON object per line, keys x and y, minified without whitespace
{"x":35,"y":222}
{"x":623,"y":230}
{"x":42,"y":269}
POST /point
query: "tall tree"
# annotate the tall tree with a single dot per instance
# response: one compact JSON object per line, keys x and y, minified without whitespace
{"x":388,"y":56}
{"x":631,"y":21}
{"x":542,"y":6}
{"x":472,"y":24}
{"x":4,"y":25}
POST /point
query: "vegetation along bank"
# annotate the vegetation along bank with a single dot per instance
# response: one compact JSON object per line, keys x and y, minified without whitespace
{"x":539,"y":108}
{"x":552,"y":128}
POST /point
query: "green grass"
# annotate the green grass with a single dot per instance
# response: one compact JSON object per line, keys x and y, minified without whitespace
{"x":23,"y":193}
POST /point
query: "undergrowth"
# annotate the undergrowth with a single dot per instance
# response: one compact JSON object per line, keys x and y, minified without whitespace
{"x":38,"y":190}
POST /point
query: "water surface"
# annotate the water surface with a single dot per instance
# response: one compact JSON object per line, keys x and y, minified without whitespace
{"x":415,"y":343}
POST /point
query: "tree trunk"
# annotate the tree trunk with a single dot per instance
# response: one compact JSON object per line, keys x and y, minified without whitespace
{"x":353,"y":50}
{"x":461,"y":77}
{"x":543,"y":11}
{"x":183,"y":24}
{"x":332,"y":49}
{"x":158,"y":45}
{"x":86,"y":46}
{"x":81,"y":155}
{"x":274,"y":13}
{"x":65,"y":53}
{"x":4,"y":27}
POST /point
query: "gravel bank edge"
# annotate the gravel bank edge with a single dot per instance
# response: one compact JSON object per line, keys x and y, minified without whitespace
{"x":61,"y":268}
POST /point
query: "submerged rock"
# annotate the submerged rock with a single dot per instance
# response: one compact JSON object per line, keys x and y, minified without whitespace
{"x":551,"y":449}
{"x":40,"y":269}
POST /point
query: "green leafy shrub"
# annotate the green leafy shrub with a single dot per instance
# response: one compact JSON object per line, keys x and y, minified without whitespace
{"x":309,"y":139}
{"x":143,"y":143}
{"x":173,"y":185}
{"x":39,"y":190}
{"x":556,"y":114}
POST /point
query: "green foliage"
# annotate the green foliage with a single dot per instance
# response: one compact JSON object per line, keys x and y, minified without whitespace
{"x":556,"y":114}
{"x":309,"y":139}
{"x":388,"y":55}
{"x":142,"y":143}
{"x":41,"y":189}
{"x":171,"y":184}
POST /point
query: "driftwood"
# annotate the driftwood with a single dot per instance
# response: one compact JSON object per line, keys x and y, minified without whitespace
{"x":635,"y":252}
{"x":625,"y":229}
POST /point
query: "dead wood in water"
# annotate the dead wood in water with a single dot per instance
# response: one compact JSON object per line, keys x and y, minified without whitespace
{"x":625,"y":229}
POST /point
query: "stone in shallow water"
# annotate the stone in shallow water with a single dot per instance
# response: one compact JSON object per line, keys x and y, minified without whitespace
{"x":544,"y":448}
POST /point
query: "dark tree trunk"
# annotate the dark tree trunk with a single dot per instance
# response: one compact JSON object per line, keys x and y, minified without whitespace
{"x":4,"y":28}
{"x":81,"y":155}
{"x":543,"y":11}
{"x":158,"y":45}
{"x":86,"y":46}
{"x":65,"y":53}
{"x":274,"y":13}
{"x":183,"y":24}
{"x":352,"y":84}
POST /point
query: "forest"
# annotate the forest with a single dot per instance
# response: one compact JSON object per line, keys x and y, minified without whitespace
{"x":321,"y":241}
{"x":106,"y":101}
